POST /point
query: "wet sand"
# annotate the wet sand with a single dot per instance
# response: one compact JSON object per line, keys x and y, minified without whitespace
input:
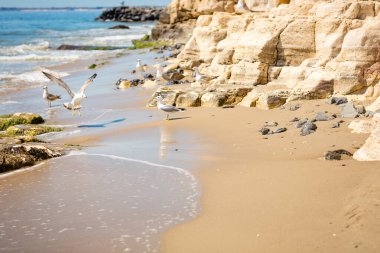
{"x":276,"y":193}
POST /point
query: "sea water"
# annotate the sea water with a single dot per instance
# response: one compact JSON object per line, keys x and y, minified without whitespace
{"x":29,"y":40}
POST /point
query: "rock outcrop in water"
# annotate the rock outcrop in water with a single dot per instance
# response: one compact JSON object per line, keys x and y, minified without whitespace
{"x":18,"y":156}
{"x":131,"y":14}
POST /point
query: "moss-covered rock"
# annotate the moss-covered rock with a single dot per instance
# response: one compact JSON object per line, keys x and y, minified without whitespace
{"x":146,"y":42}
{"x":19,"y":118}
{"x":30,"y":130}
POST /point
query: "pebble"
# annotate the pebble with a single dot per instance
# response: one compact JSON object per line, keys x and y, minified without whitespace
{"x":308,"y":128}
{"x":336,"y":154}
{"x":280,"y":130}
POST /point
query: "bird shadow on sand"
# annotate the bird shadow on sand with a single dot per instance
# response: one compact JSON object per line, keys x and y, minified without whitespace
{"x":101,"y":125}
{"x":179,"y":118}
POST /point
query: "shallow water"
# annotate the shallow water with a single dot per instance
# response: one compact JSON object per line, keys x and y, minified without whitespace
{"x":94,"y":203}
{"x":101,"y":200}
{"x":28,"y":40}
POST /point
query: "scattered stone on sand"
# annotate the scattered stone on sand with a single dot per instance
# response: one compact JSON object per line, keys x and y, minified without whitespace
{"x":265,"y":131}
{"x":295,"y":107}
{"x":322,"y":116}
{"x":18,"y":156}
{"x":271,"y":124}
{"x":337,"y":154}
{"x":295,"y":119}
{"x":337,"y":100}
{"x":300,"y":123}
{"x":349,"y":111}
{"x":308,"y":128}
{"x":280,"y":130}
{"x":189,"y":99}
{"x":360,"y":109}
{"x":336,"y":125}
{"x":228,"y":106}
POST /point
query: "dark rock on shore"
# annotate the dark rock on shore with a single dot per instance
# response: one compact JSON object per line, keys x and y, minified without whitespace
{"x":308,"y":128}
{"x":18,"y":156}
{"x":87,"y":48}
{"x":337,"y":154}
{"x":131,"y":14}
{"x":119,"y":27}
{"x":337,"y":100}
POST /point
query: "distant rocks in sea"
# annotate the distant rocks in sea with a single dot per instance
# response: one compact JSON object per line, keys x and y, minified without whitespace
{"x":131,"y":14}
{"x":119,"y":27}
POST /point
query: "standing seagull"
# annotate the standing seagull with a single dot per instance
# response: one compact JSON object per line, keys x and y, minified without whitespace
{"x":158,"y":72}
{"x":139,"y":66}
{"x":77,"y":97}
{"x":199,"y":77}
{"x":167,"y":108}
{"x":49,"y":97}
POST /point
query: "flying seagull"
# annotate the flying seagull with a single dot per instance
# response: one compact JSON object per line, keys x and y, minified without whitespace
{"x":77,"y":97}
{"x":167,"y":108}
{"x":49,"y":97}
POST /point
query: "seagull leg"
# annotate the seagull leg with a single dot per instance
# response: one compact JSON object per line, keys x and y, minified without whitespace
{"x":79,"y":113}
{"x":72,"y":113}
{"x":167,"y":116}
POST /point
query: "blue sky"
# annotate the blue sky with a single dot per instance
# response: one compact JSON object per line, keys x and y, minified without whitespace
{"x":77,"y":3}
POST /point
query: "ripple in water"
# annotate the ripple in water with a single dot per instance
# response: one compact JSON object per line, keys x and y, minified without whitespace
{"x":94,"y":203}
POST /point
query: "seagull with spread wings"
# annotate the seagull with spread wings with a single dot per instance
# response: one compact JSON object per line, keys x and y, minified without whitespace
{"x":77,"y":97}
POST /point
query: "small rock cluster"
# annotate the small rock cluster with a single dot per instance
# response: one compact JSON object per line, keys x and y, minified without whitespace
{"x":131,"y":14}
{"x":18,"y":156}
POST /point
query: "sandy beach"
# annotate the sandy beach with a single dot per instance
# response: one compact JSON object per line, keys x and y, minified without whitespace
{"x":211,"y":179}
{"x":277,"y":193}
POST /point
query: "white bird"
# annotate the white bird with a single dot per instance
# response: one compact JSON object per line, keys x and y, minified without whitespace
{"x":139,"y":66}
{"x":241,"y":6}
{"x":49,"y":97}
{"x":198,"y":76}
{"x":158,"y":72}
{"x":77,"y":97}
{"x":167,"y":108}
{"x":269,"y":5}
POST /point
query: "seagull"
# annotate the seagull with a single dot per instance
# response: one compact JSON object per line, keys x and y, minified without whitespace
{"x":77,"y":97}
{"x":158,"y":72}
{"x":199,"y":77}
{"x":241,"y":6}
{"x":139,"y":66}
{"x":49,"y":97}
{"x":269,"y":5}
{"x":167,"y":108}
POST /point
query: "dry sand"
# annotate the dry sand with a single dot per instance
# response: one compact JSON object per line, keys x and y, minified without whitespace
{"x":275,"y":193}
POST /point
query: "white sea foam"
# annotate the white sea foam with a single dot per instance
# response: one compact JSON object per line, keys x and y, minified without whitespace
{"x":23,"y":48}
{"x":35,"y":76}
{"x":9,"y":102}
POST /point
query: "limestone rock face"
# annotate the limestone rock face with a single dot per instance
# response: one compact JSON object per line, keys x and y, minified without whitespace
{"x":316,"y":48}
{"x":371,"y":149}
{"x":190,"y":99}
{"x":213,"y":99}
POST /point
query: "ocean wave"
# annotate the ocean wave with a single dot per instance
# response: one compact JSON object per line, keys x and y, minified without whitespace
{"x":24,"y":48}
{"x":32,"y":76}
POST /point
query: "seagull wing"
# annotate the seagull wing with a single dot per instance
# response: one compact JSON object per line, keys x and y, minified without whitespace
{"x":87,"y":83}
{"x":59,"y":82}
